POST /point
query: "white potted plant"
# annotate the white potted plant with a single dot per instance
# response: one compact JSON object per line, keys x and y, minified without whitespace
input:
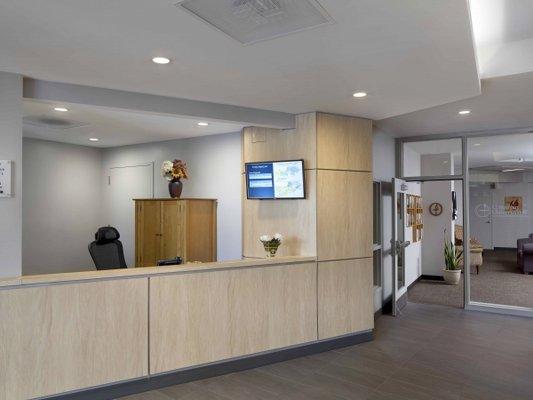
{"x":271,"y":243}
{"x":452,"y":260}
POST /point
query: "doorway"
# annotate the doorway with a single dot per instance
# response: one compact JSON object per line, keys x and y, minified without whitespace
{"x":125,"y":184}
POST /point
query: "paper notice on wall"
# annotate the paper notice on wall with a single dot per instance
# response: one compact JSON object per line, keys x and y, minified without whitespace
{"x":5,"y":178}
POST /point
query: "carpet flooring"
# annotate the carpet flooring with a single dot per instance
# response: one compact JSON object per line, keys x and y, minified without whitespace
{"x":427,"y":353}
{"x":499,"y":282}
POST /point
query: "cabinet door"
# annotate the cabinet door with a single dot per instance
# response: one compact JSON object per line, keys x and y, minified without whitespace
{"x":173,"y":229}
{"x":201,"y":230}
{"x":148,"y":233}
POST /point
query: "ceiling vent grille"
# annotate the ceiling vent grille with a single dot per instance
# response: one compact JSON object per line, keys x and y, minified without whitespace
{"x":42,"y":121}
{"x":250,"y":21}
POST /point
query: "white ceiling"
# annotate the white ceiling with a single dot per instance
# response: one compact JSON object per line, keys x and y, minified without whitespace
{"x":489,"y":152}
{"x":501,"y":21}
{"x":115,"y":127}
{"x":506,"y":102}
{"x":406,"y":54}
{"x":503,"y":31}
{"x":494,"y":150}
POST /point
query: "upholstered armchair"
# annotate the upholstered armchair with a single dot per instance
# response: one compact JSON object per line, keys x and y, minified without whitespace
{"x":476,"y":249}
{"x":524,"y":254}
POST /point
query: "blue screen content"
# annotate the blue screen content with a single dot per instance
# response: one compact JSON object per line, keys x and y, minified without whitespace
{"x":260,"y":180}
{"x":275,"y":180}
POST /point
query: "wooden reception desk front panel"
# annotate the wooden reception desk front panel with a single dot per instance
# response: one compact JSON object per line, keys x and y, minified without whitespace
{"x":68,"y":332}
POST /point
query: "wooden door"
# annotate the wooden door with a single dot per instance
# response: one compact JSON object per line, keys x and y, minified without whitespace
{"x":173,"y":229}
{"x":148,"y":239}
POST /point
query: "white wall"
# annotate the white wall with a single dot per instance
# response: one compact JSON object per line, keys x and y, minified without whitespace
{"x":61,"y":206}
{"x":215,"y":172}
{"x":11,"y":149}
{"x":384,"y":170}
{"x":507,"y":228}
{"x":434,"y":226}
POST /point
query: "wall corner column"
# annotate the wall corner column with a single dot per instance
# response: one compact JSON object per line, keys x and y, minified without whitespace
{"x":11,"y":149}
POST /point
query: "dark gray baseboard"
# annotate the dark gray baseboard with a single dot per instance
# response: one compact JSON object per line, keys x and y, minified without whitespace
{"x":207,"y":371}
{"x":402,"y":302}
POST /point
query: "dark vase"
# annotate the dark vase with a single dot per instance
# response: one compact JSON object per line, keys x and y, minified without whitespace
{"x":175,"y":188}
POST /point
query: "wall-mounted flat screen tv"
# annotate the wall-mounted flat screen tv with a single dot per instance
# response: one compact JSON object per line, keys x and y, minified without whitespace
{"x":275,"y":180}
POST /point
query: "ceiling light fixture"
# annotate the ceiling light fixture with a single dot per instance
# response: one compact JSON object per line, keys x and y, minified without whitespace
{"x":513,"y":170}
{"x":359,"y":94}
{"x":94,"y":139}
{"x":203,"y":124}
{"x":464,"y":112}
{"x":161,"y":60}
{"x":60,"y":109}
{"x":477,"y":144}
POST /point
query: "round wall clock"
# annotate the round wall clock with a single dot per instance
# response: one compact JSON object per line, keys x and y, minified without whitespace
{"x":435,"y":209}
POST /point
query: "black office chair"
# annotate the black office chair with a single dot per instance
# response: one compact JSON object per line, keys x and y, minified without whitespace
{"x":106,"y":251}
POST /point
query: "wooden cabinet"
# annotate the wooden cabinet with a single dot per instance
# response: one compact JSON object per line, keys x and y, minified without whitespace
{"x":166,"y":228}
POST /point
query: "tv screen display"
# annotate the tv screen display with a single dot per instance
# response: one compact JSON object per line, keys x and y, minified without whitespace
{"x":275,"y":180}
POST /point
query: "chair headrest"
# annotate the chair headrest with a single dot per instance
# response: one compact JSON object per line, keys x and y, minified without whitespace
{"x":106,"y":234}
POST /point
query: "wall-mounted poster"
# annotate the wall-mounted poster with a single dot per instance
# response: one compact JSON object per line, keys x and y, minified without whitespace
{"x":514,"y":204}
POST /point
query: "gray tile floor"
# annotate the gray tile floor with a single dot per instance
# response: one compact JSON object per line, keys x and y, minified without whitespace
{"x":429,"y":352}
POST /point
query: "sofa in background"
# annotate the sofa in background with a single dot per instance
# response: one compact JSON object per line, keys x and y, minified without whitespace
{"x":524,"y":254}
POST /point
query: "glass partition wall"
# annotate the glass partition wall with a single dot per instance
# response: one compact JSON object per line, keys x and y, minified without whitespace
{"x":501,"y":194}
{"x":493,"y":178}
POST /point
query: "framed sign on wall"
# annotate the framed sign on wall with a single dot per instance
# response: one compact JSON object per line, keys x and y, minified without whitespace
{"x":5,"y":178}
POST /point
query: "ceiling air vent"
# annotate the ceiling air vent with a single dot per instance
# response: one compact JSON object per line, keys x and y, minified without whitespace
{"x":42,"y":121}
{"x":250,"y":21}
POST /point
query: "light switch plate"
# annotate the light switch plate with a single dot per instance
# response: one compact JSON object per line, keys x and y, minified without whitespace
{"x":5,"y":178}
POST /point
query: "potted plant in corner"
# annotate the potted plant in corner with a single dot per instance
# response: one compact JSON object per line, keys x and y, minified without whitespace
{"x":452,"y":260}
{"x":174,"y":172}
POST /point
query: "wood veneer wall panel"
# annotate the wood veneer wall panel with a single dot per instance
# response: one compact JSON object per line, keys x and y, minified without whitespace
{"x":345,"y":297}
{"x":65,"y":337}
{"x":295,"y":219}
{"x":344,"y":143}
{"x":344,"y":215}
{"x":203,"y":317}
{"x":265,"y":144}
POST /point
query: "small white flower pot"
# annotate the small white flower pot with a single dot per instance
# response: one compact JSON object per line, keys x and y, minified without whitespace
{"x":452,"y":277}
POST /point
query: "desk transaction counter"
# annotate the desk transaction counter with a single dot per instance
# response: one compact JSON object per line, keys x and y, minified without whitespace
{"x":76,"y":332}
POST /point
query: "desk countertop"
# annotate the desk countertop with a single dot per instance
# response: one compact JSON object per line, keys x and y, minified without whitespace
{"x":150,"y":271}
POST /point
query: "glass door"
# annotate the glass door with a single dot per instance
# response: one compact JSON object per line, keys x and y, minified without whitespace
{"x":399,"y":243}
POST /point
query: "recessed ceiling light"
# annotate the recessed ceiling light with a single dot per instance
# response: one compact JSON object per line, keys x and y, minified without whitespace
{"x":477,"y":144}
{"x":464,"y":112}
{"x":359,"y":94}
{"x":203,"y":124}
{"x":513,"y":170}
{"x":94,"y":139}
{"x":60,"y":109}
{"x":161,"y":60}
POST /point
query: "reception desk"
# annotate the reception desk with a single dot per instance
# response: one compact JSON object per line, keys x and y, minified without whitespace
{"x":64,"y":333}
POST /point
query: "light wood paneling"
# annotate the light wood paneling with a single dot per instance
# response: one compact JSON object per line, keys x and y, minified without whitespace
{"x":204,"y":317}
{"x":69,"y":277}
{"x":294,"y":219}
{"x":344,"y":215}
{"x":344,"y":142}
{"x":201,"y":233}
{"x":147,"y":232}
{"x":345,"y":297}
{"x":265,"y":144}
{"x":59,"y":338}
